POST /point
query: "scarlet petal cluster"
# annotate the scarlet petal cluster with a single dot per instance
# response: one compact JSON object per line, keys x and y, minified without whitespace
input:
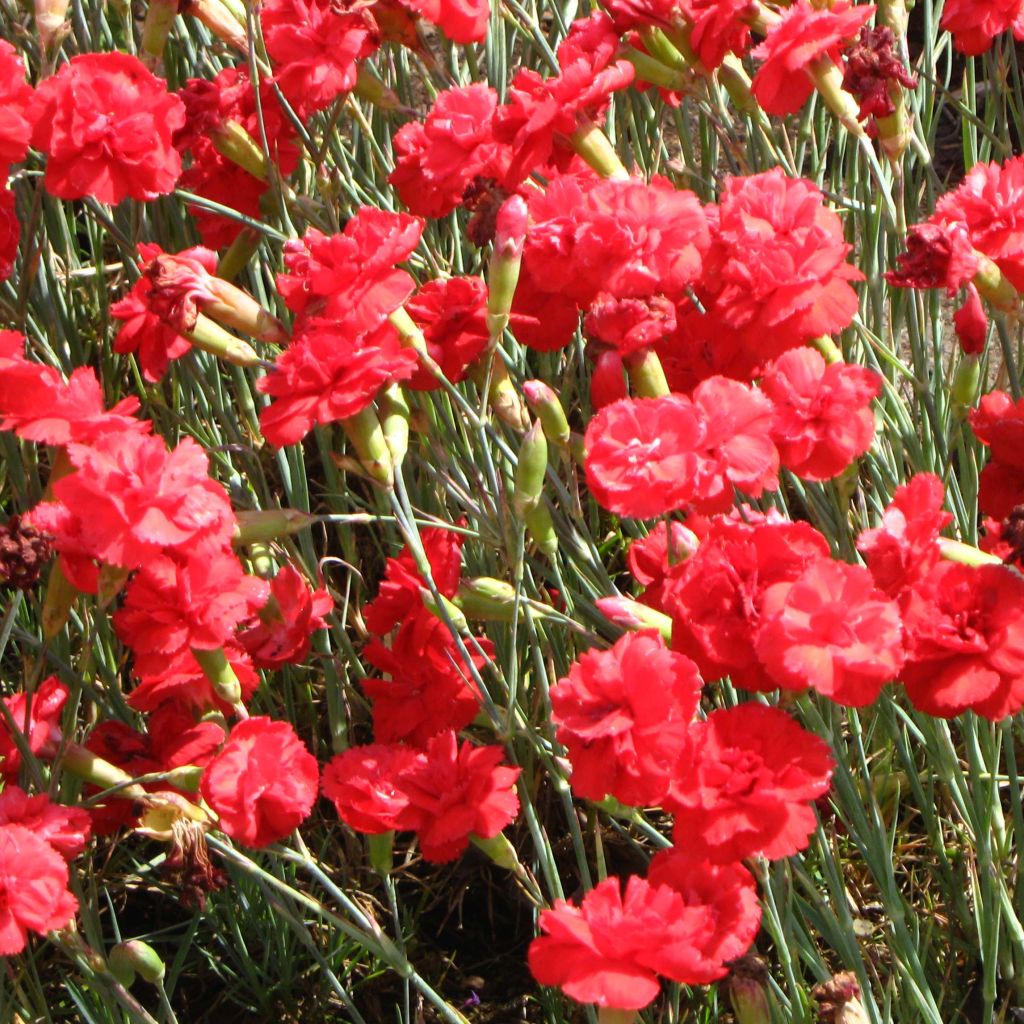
{"x":38,"y":719}
{"x":998,"y":422}
{"x":16,"y":112}
{"x":976,"y":23}
{"x":263,"y":782}
{"x":365,"y":784}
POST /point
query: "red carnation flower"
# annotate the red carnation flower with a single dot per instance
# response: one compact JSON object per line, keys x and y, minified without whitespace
{"x":64,"y":829}
{"x":805,"y":33}
{"x":315,"y":47}
{"x":399,"y":595}
{"x":623,"y":734}
{"x":16,"y":111}
{"x":822,"y":418}
{"x":328,"y":374}
{"x":976,"y":23}
{"x":650,"y":558}
{"x":105,"y":123}
{"x":831,"y":630}
{"x":718,"y":28}
{"x":366,"y":786}
{"x":131,"y":499}
{"x":431,"y":688}
{"x":745,"y":784}
{"x":998,"y":422}
{"x":455,"y":792}
{"x":177,"y":739}
{"x":38,"y":719}
{"x":453,"y":317}
{"x":263,"y":783}
{"x":875,"y":71}
{"x":936,"y":257}
{"x":642,"y":455}
{"x":965,"y":641}
{"x":905,"y":547}
{"x":292,"y":614}
{"x":34,"y":893}
{"x":630,"y":325}
{"x":10,"y":233}
{"x":715,"y":596}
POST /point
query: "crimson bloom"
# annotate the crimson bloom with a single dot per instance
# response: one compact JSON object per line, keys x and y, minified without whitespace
{"x":105,"y":123}
{"x":456,"y":792}
{"x":718,"y":28}
{"x":15,"y":108}
{"x":452,"y":314}
{"x":745,"y":783}
{"x":365,"y":784}
{"x":976,"y":23}
{"x":650,"y":558}
{"x":263,"y":783}
{"x":998,"y":422}
{"x":804,"y":34}
{"x":622,"y":733}
{"x":178,"y":679}
{"x":831,"y":630}
{"x":10,"y":233}
{"x":65,"y":829}
{"x":34,"y":894}
{"x":822,"y":418}
{"x":38,"y":719}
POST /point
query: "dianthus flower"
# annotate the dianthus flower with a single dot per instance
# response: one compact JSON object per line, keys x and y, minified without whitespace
{"x":64,"y":829}
{"x":822,"y":418}
{"x":38,"y":719}
{"x":329,"y":374}
{"x":623,"y":734}
{"x":105,"y":123}
{"x":998,"y":422}
{"x":935,"y":257}
{"x":39,"y":405}
{"x":745,"y":785}
{"x":803,"y":35}
{"x":462,"y":21}
{"x":292,"y":614}
{"x":452,"y":314}
{"x":874,"y":72}
{"x":177,"y":601}
{"x":15,"y":109}
{"x":611,"y":949}
{"x":314,"y":47}
{"x":263,"y":783}
{"x":718,"y":28}
{"x":352,"y":278}
{"x":430,"y":690}
{"x":456,"y":792}
{"x":630,"y":325}
{"x":832,"y":631}
{"x":399,"y":595}
{"x":650,"y":558}
{"x":34,"y":894}
{"x":965,"y":641}
{"x":153,"y":341}
{"x":976,"y":23}
{"x":715,"y":596}
{"x":438,"y":159}
{"x":10,"y":233}
{"x":132,"y":499}
{"x":181,"y":681}
{"x":642,"y":456}
{"x":365,"y":784}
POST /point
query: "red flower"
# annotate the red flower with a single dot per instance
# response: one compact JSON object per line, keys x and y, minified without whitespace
{"x":971,"y":324}
{"x":831,"y":630}
{"x":623,"y":734}
{"x":715,"y":596}
{"x":936,"y":257}
{"x":177,"y":739}
{"x":737,"y":450}
{"x":328,"y":374}
{"x":875,"y":71}
{"x":453,"y":317}
{"x":286,"y":622}
{"x":976,"y":23}
{"x":105,"y":123}
{"x":365,"y":784}
{"x":437,"y":160}
{"x":998,"y":422}
{"x":263,"y":783}
{"x":180,"y":681}
{"x":822,"y":417}
{"x":315,"y":47}
{"x":642,"y":455}
{"x":718,"y":28}
{"x":611,"y":949}
{"x":803,"y":35}
{"x":903,"y":550}
{"x":180,"y":602}
{"x":10,"y":232}
{"x":629,"y":325}
{"x":16,"y":111}
{"x":430,"y":690}
{"x":650,"y":558}
{"x":38,"y":405}
{"x":38,"y":719}
{"x":608,"y":379}
{"x":745,"y":783}
{"x":131,"y":499}
{"x":65,"y":829}
{"x":33,"y":888}
{"x":462,"y":21}
{"x":455,"y":792}
{"x":398,"y":598}
{"x":965,"y":641}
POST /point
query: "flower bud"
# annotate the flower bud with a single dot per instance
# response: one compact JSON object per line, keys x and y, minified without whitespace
{"x":608,"y":381}
{"x":394,"y":417}
{"x":503,"y":397}
{"x":531,"y":469}
{"x":838,"y":1000}
{"x":541,"y":529}
{"x":454,"y":613}
{"x":630,"y":614}
{"x":747,"y":993}
{"x":966,"y":382}
{"x":218,"y":18}
{"x":500,"y":850}
{"x":506,"y":258}
{"x":135,"y":957}
{"x":262,"y":525}
{"x":647,"y":375}
{"x":828,"y":80}
{"x":367,"y":437}
{"x":486,"y":598}
{"x":544,"y":404}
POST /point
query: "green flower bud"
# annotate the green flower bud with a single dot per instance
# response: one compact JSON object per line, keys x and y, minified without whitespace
{"x":135,"y":957}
